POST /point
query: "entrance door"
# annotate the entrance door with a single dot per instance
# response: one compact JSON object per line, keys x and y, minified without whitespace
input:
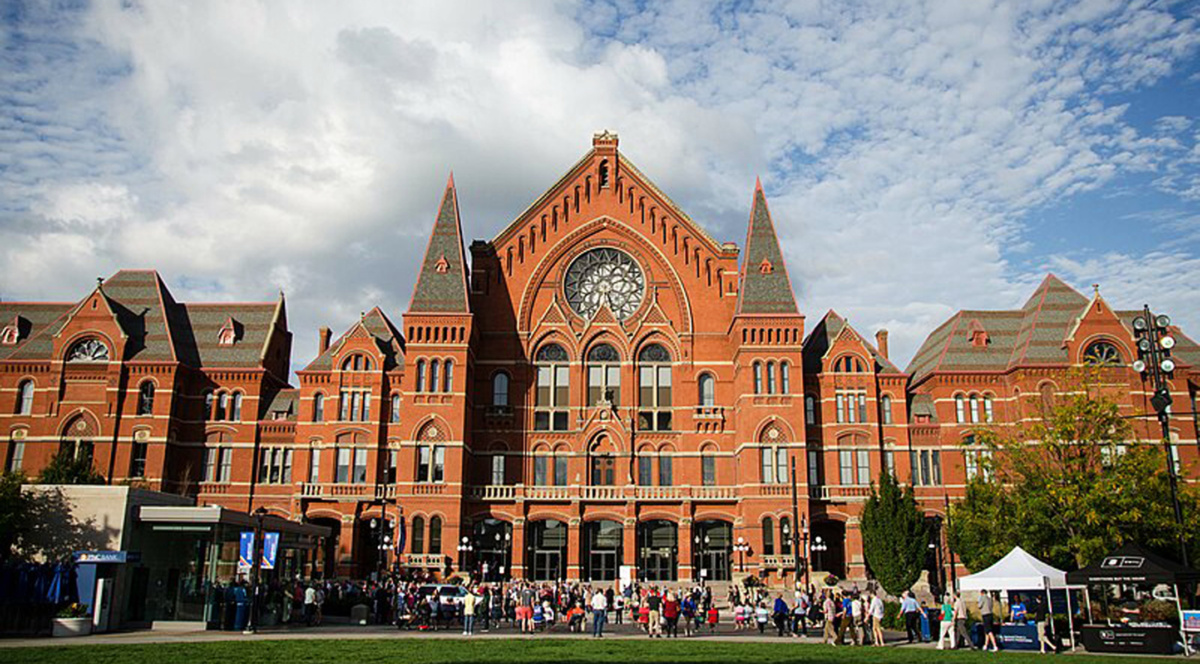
{"x":657,"y":550}
{"x":714,"y":543}
{"x":547,"y":565}
{"x":602,"y":544}
{"x":603,"y":566}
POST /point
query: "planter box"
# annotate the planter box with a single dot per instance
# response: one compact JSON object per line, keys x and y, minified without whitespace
{"x":72,"y":626}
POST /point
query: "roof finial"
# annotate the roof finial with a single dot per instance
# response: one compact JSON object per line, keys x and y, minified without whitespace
{"x":1096,"y":289}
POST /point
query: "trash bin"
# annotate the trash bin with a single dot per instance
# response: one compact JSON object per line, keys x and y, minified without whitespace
{"x":360,"y":614}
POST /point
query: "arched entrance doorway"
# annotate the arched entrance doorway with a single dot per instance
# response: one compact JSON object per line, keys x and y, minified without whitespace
{"x":658,"y":548}
{"x":547,"y":550}
{"x":372,"y":540}
{"x":829,"y":547}
{"x":325,"y":564}
{"x":493,"y":549}
{"x":602,"y":542}
{"x":712,"y":542}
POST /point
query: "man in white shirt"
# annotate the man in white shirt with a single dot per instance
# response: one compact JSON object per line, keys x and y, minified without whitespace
{"x":877,"y":611}
{"x":856,"y":615}
{"x":310,"y":604}
{"x":599,"y":614}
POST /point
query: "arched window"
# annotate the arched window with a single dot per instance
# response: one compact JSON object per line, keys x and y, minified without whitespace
{"x":708,"y":467}
{"x":885,"y":405}
{"x":1102,"y":354}
{"x":500,"y":389}
{"x":708,"y":396}
{"x":145,"y":404}
{"x":603,"y":375}
{"x":418,"y":534}
{"x":88,"y":350}
{"x":222,"y":407}
{"x":420,"y":382}
{"x":785,"y":377}
{"x":435,"y":534}
{"x":758,"y":378}
{"x":654,"y":383}
{"x":235,"y":411}
{"x":448,"y":380}
{"x":25,"y":397}
{"x":974,"y":409}
{"x":768,"y":535}
{"x":988,"y":411}
{"x":318,"y":407}
{"x":960,"y":409}
{"x":770,"y":378}
{"x":434,"y":371}
{"x":785,"y":535}
{"x":810,"y":410}
{"x":552,"y":393}
{"x":208,"y":404}
{"x":1047,"y":391}
{"x":395,"y":409}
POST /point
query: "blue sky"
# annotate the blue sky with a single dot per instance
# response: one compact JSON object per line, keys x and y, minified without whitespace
{"x":919,"y":157}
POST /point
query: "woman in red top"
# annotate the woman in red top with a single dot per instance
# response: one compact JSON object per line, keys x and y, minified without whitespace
{"x":713,"y":616}
{"x":671,"y":615}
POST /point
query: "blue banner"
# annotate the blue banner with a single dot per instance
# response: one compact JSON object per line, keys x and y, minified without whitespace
{"x":270,"y":550}
{"x":400,"y":535}
{"x":246,"y":551}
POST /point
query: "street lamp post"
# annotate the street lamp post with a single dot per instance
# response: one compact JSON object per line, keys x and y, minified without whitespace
{"x":795,"y":519}
{"x":464,"y":549}
{"x":1154,"y":363}
{"x":819,"y":546}
{"x":807,"y":554}
{"x":255,"y":562}
{"x":742,"y":547}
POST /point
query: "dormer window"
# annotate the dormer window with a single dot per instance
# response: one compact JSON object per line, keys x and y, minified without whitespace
{"x":978,"y":336}
{"x":228,"y":335}
{"x":765,"y":267}
{"x":442,"y":266}
{"x":11,"y":334}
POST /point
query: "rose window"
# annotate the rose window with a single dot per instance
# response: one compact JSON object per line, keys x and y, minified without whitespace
{"x":605,"y":277}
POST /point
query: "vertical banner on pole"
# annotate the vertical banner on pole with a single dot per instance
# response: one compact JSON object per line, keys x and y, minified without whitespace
{"x":245,"y":551}
{"x":270,"y":550}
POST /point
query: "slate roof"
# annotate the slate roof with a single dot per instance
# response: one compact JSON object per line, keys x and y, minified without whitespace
{"x":284,"y":401}
{"x":1031,"y":335}
{"x":158,"y":328}
{"x":764,"y":291}
{"x":922,"y":404}
{"x":823,"y":335}
{"x":38,"y":321}
{"x":443,"y":290}
{"x":379,"y":326}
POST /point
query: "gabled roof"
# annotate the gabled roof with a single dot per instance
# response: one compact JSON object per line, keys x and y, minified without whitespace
{"x":765,"y":286}
{"x":157,"y":328}
{"x":285,"y":402}
{"x":376,"y":324}
{"x":823,"y":336}
{"x":442,"y":284}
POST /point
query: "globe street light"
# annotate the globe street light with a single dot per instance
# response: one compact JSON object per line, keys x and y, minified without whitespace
{"x":742,"y":547}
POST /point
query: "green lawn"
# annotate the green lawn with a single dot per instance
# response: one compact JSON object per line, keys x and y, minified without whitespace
{"x":525,"y":651}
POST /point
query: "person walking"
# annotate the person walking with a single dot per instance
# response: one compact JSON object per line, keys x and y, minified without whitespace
{"x":310,"y":604}
{"x":911,"y":611}
{"x":780,"y":613}
{"x":468,"y":603}
{"x":946,"y":629}
{"x":687,"y":613}
{"x":877,"y":612}
{"x":829,"y":611}
{"x":599,"y":614}
{"x":987,"y":613}
{"x":960,"y":622}
{"x":654,"y":614}
{"x":1042,"y":617}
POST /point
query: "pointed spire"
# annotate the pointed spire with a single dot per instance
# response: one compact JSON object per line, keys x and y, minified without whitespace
{"x":766,"y":288}
{"x":442,"y":285}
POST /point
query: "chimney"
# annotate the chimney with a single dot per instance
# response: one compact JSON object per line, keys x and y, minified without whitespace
{"x":881,"y":343}
{"x":323,"y":342}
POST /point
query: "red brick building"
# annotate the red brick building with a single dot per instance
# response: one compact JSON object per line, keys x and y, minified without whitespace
{"x":601,"y":388}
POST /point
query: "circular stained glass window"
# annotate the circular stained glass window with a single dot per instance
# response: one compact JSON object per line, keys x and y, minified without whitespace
{"x":1102,"y":354}
{"x":605,"y":277}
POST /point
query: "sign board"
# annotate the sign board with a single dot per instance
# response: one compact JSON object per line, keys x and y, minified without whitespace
{"x":96,"y":557}
{"x":270,"y":550}
{"x":626,"y":576}
{"x":1191,"y":621}
{"x":245,"y":550}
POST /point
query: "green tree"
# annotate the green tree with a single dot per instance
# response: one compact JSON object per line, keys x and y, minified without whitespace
{"x":895,"y":536}
{"x":66,"y":468}
{"x":14,"y":514}
{"x":1068,"y":487}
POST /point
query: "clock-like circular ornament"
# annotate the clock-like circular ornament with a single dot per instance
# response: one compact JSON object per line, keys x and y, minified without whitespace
{"x":605,"y":276}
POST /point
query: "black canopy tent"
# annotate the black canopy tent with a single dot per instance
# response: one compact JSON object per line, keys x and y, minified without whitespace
{"x":1133,"y":565}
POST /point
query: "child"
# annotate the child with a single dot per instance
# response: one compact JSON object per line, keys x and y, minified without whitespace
{"x":547,"y":615}
{"x":713,"y":617}
{"x":739,"y":617}
{"x":539,"y":618}
{"x":643,"y":617}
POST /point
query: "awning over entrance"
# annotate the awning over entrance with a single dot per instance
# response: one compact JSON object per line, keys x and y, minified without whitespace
{"x":167,"y":518}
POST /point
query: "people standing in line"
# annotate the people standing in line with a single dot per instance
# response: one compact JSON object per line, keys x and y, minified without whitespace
{"x":946,"y":629}
{"x":911,"y":612}
{"x":654,"y":614}
{"x":987,"y":613}
{"x":599,"y":614}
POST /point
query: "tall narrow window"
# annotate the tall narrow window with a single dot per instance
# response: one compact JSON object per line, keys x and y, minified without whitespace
{"x":539,"y":470}
{"x":560,"y":469}
{"x":500,"y":389}
{"x":434,"y":372}
{"x":708,"y":469}
{"x":145,"y":404}
{"x":395,"y":409}
{"x":318,"y":407}
{"x":654,"y":397}
{"x":16,"y":456}
{"x":974,"y":409}
{"x":439,"y":463}
{"x":498,"y":469}
{"x":208,"y":405}
{"x":814,"y":467}
{"x":418,"y":534}
{"x":935,"y":462}
{"x":785,"y":377}
{"x":222,"y":406}
{"x":862,"y":407}
{"x":770,"y":378}
{"x":236,"y":410}
{"x":424,"y":459}
{"x":603,"y":375}
{"x":781,"y":465}
{"x":960,"y":409}
{"x":846,"y":466}
{"x":552,"y":393}
{"x":226,"y":465}
{"x":360,"y":465}
{"x":666,"y":476}
{"x":645,"y":470}
{"x":885,"y":407}
{"x":137,"y":460}
{"x":25,"y":397}
{"x":841,"y":408}
{"x":435,"y":534}
{"x":420,"y":378}
{"x":314,"y":465}
{"x":864,"y":466}
{"x":758,"y":378}
{"x":810,"y":410}
{"x":708,"y":396}
{"x":343,"y":465}
{"x":393,"y":466}
{"x":768,"y":535}
{"x":768,"y":465}
{"x":987,"y":408}
{"x":448,"y":380}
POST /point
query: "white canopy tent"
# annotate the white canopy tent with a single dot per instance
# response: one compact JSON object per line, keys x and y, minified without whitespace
{"x":1020,"y":571}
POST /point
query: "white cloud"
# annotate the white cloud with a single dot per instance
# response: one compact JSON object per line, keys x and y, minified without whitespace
{"x":242,"y":147}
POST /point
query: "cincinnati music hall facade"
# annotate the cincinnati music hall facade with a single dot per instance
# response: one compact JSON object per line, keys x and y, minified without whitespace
{"x":601,"y":386}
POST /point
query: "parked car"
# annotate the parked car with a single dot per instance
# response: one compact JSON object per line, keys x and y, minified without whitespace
{"x":450,"y":599}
